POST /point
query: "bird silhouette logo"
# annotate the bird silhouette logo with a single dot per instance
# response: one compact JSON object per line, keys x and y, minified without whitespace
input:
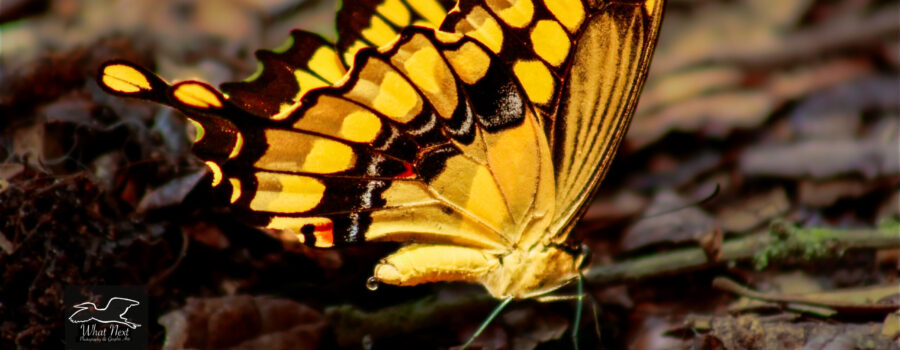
{"x":113,"y":312}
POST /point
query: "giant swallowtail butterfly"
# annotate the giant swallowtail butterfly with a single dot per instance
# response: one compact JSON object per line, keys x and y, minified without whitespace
{"x":475,"y":136}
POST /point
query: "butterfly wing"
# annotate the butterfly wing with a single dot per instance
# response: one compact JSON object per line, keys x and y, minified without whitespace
{"x":608,"y":70}
{"x":464,"y":144}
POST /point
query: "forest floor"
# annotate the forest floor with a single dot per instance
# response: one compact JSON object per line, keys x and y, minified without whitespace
{"x":753,"y":204}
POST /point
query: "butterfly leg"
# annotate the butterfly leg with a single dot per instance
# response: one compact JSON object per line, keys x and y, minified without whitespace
{"x":487,"y":321}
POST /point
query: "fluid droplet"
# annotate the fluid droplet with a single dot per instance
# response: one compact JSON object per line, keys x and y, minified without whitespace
{"x":372,"y":283}
{"x":367,"y":342}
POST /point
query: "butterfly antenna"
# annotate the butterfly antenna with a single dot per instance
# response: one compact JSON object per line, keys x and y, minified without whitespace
{"x":699,"y":201}
{"x":487,"y":321}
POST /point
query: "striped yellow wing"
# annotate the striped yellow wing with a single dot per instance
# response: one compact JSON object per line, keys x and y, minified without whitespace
{"x":598,"y":98}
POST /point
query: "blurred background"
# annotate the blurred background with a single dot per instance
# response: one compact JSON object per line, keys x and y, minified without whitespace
{"x":791,"y":108}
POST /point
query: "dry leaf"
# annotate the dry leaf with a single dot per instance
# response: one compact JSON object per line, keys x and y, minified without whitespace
{"x":678,"y":226}
{"x":749,"y":213}
{"x":820,"y":159}
{"x":243,"y":322}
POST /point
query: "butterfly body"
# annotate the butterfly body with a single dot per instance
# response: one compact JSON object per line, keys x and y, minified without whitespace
{"x":475,"y":136}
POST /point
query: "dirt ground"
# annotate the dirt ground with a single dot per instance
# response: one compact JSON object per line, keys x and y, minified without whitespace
{"x":754,"y":203}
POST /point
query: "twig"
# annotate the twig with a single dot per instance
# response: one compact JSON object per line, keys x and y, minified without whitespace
{"x":847,"y":306}
{"x":783,"y":241}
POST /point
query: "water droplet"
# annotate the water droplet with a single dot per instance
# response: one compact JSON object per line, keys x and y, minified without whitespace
{"x":372,"y":283}
{"x":367,"y":342}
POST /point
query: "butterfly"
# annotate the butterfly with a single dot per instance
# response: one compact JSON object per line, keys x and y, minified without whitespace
{"x":474,"y":132}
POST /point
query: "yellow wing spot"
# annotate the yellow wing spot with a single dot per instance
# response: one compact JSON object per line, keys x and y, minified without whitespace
{"x":536,"y":80}
{"x":323,"y":228}
{"x":431,"y":10}
{"x":327,"y":116}
{"x":238,"y":144}
{"x":282,"y":193}
{"x":410,"y":193}
{"x":421,"y":62}
{"x":447,"y":37}
{"x":388,"y":46}
{"x":216,"y":171}
{"x":516,"y":13}
{"x":293,"y":223}
{"x":550,"y":42}
{"x":395,"y":11}
{"x":360,"y":126}
{"x":327,"y":64}
{"x":196,"y":95}
{"x":307,"y":82}
{"x":292,"y":151}
{"x":423,"y":23}
{"x":327,"y":156}
{"x":379,"y":32}
{"x":469,"y":61}
{"x":569,"y":12}
{"x":285,"y":110}
{"x":481,"y":26}
{"x":124,"y":78}
{"x":351,"y":51}
{"x":422,"y":67}
{"x":235,"y":189}
{"x":396,"y":98}
{"x":199,"y":131}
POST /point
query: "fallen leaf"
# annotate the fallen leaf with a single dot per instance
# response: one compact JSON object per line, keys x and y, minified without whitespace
{"x":835,"y":112}
{"x":683,"y":85}
{"x":669,"y":172}
{"x":752,"y":212}
{"x":668,"y":222}
{"x":171,"y":193}
{"x":623,"y":204}
{"x":714,"y":114}
{"x":207,"y":234}
{"x":825,"y":193}
{"x":821,"y":159}
{"x":865,"y":301}
{"x":530,"y":329}
{"x":243,"y":322}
